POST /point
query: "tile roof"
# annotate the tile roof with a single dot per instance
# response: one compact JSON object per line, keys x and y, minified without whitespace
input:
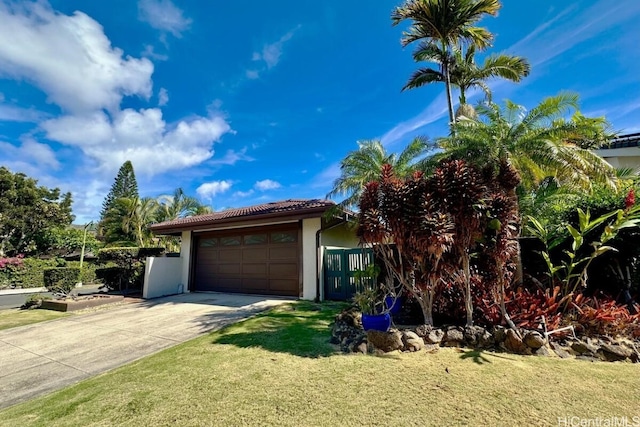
{"x":623,"y":141}
{"x":281,"y":208}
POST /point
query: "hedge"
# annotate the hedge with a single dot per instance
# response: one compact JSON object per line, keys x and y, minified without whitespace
{"x":61,"y":279}
{"x":124,"y":255}
{"x":129,"y":272}
{"x":30,"y":273}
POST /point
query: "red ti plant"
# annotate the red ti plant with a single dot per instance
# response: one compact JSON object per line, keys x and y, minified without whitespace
{"x":461,"y":189}
{"x":501,"y":236}
{"x":403,"y":223}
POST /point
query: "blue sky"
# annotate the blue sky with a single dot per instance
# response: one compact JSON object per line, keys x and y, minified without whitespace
{"x":245,"y":102}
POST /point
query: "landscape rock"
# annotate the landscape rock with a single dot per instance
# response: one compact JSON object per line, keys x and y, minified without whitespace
{"x":514,"y":344}
{"x":453,"y":337}
{"x":423,"y":330}
{"x":434,"y":337}
{"x":583,"y":348}
{"x":499,"y":334}
{"x":543,"y":351}
{"x":562,"y":352}
{"x":411,"y":341}
{"x":615,"y":353}
{"x":472,"y":335}
{"x":385,"y":341}
{"x":486,"y":340}
{"x":534,"y":339}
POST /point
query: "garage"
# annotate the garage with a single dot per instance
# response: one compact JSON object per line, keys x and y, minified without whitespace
{"x":256,"y":260}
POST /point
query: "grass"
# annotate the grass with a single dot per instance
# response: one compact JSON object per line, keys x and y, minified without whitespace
{"x":278,"y":369}
{"x":15,"y":317}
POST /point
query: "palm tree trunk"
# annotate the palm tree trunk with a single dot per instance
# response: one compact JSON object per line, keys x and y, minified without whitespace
{"x":447,"y":82}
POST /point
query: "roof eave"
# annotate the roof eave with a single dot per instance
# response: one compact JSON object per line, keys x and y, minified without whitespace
{"x":176,"y":229}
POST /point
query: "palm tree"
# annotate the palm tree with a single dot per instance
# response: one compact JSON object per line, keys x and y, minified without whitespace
{"x":465,"y":73}
{"x":445,"y":24}
{"x":138,"y":214}
{"x":538,"y":143}
{"x":178,"y":205}
{"x":365,"y":164}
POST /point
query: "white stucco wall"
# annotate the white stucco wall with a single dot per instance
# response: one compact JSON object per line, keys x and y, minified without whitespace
{"x":340,"y":236}
{"x":309,"y":257}
{"x":185,"y":256}
{"x":627,"y":157}
{"x":162,"y":276}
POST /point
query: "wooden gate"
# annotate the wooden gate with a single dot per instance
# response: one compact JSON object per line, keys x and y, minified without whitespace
{"x":340,"y":268}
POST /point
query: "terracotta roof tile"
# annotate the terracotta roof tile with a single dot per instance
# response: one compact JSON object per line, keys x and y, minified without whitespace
{"x":286,"y":207}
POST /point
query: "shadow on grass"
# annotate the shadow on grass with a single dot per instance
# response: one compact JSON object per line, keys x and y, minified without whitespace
{"x":301,"y":329}
{"x":479,"y":357}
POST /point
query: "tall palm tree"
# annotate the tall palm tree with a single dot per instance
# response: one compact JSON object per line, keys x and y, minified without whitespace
{"x":139,"y":213}
{"x":445,"y":24}
{"x":539,"y":143}
{"x":177,"y":205}
{"x":465,"y":74}
{"x":365,"y":164}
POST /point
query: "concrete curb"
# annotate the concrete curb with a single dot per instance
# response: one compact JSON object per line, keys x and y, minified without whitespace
{"x":22,"y":291}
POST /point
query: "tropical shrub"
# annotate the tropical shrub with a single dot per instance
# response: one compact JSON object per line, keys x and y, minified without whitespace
{"x":26,"y":272}
{"x":61,"y":279}
{"x":128,"y":272}
{"x":425,"y":230}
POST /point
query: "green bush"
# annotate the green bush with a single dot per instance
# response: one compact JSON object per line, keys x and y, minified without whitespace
{"x":113,"y":277}
{"x":28,"y":275}
{"x":61,"y":279}
{"x":88,"y":272}
{"x":34,"y":301}
{"x":129,"y":270}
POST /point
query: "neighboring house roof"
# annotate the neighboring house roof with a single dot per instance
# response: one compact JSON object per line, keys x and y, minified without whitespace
{"x":289,"y":209}
{"x":623,"y":141}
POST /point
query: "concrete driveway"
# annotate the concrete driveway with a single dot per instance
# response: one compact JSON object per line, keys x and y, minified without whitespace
{"x":41,"y":358}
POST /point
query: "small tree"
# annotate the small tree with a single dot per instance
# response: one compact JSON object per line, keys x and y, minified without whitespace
{"x":401,"y":220}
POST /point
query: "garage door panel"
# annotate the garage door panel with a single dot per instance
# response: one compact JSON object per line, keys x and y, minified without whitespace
{"x":283,"y":269}
{"x":229,"y":255}
{"x":255,"y":269}
{"x":228,"y":269}
{"x":255,"y":254}
{"x":283,"y":286}
{"x":283,"y":252}
{"x":249,"y":261}
{"x":249,"y":285}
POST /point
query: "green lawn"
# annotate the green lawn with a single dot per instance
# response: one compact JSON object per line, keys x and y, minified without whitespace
{"x":16,"y":317}
{"x":277,"y":369}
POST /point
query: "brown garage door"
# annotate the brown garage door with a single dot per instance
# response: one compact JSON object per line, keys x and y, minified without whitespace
{"x":255,"y":261}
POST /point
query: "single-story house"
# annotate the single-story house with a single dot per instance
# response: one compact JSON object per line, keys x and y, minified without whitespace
{"x":268,"y":249}
{"x":622,"y":152}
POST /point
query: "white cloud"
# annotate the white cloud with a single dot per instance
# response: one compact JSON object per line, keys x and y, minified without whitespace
{"x":269,"y":55}
{"x":209,"y":189}
{"x":436,"y":110}
{"x":30,"y":152}
{"x":252,"y":74}
{"x":69,"y":57}
{"x":241,"y":194}
{"x":11,"y":113}
{"x":231,"y":157}
{"x":267,"y":184}
{"x":163,"y":15}
{"x":141,"y":136}
{"x":163,"y":97}
{"x":149,"y":52}
{"x":548,"y":41}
